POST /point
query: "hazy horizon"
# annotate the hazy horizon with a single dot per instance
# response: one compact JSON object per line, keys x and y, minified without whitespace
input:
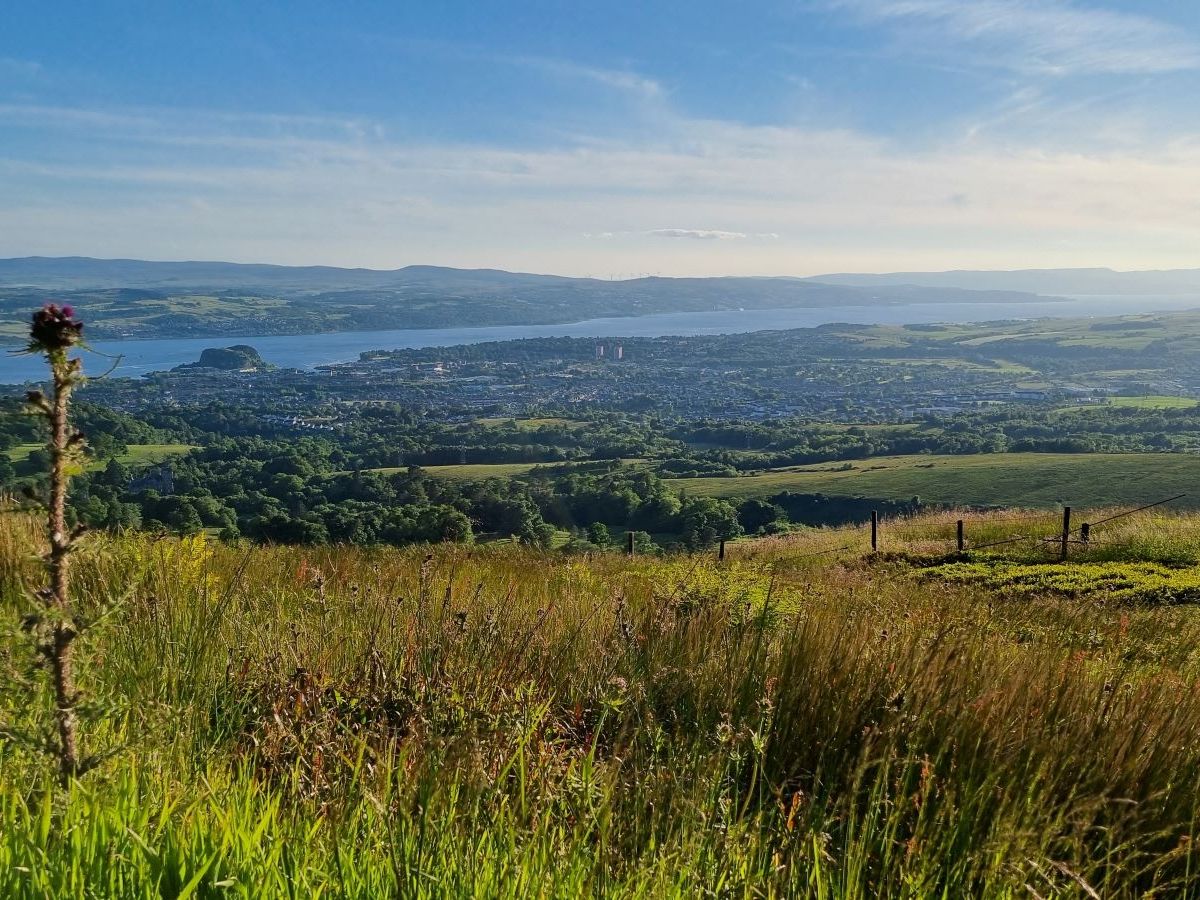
{"x":613,"y":277}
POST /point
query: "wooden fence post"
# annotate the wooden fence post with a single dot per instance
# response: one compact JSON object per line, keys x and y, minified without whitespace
{"x":721,"y":552}
{"x":629,"y":543}
{"x":962,"y":542}
{"x":874,"y":530}
{"x":1066,"y":533}
{"x":1085,"y":533}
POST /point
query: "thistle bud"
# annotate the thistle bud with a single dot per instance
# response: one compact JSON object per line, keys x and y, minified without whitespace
{"x":54,"y":328}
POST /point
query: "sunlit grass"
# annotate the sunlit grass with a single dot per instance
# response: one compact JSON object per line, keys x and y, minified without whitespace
{"x":135,"y":454}
{"x":988,"y":479}
{"x":493,"y":721}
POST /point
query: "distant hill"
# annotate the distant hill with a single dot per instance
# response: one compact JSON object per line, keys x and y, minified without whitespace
{"x":86,"y":273}
{"x":1037,"y":281}
{"x":123,"y":298}
{"x":237,"y":358}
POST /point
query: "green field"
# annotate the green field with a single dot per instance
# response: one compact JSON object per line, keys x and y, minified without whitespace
{"x":1155,"y":402}
{"x":135,"y":455}
{"x":531,"y":424}
{"x":143,"y":315}
{"x":468,"y":472}
{"x":1148,"y":402}
{"x":1008,"y":479}
{"x":481,"y":471}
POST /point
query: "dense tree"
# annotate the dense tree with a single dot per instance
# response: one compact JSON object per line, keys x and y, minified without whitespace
{"x":704,"y":521}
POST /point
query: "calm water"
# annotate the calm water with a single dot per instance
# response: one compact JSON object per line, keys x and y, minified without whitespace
{"x":309,"y":350}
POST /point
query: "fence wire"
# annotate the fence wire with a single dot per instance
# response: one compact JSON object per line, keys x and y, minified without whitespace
{"x":1044,"y":528}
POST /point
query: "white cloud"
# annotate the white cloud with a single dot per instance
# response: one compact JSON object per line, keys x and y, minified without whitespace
{"x":1037,"y":36}
{"x":788,"y":200}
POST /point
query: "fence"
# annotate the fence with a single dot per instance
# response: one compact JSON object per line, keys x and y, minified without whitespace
{"x":1054,"y":531}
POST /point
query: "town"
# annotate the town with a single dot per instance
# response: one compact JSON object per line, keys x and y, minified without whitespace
{"x":829,"y":374}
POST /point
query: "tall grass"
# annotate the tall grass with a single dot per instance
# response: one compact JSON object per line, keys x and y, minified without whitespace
{"x":487,"y":722}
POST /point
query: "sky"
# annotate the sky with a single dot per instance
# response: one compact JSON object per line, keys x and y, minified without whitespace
{"x":611,"y":139}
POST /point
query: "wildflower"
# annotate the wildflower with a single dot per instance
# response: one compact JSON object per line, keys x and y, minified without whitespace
{"x":54,"y":328}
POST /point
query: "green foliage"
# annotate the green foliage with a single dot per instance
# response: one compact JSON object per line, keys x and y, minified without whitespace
{"x":705,"y":521}
{"x":598,"y":534}
{"x":1119,"y":582}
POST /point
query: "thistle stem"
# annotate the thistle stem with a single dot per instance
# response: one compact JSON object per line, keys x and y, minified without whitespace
{"x":62,"y":638}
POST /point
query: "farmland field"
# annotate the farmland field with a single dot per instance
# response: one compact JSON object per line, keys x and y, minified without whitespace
{"x":135,"y":454}
{"x":480,"y":471}
{"x":530,"y":424}
{"x":1154,"y":402}
{"x":474,"y":472}
{"x":1002,"y":479}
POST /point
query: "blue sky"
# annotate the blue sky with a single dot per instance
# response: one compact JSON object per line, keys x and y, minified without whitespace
{"x":610,"y":139}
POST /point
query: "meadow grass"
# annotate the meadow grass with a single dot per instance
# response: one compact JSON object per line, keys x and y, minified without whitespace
{"x":1154,"y":401}
{"x":986,"y":479}
{"x":134,"y":455}
{"x":482,"y":471}
{"x":531,"y":423}
{"x":493,"y":721}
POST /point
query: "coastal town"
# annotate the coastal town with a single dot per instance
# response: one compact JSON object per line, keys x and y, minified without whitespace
{"x":815,"y":374}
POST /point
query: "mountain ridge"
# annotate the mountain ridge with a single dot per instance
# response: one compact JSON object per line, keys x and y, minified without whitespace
{"x":84,"y":272}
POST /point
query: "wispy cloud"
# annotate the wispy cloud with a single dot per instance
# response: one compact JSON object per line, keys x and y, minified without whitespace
{"x":32,"y":114}
{"x":697,"y":234}
{"x":1037,"y":36}
{"x":145,"y":122}
{"x":690,"y":234}
{"x":22,"y":68}
{"x":624,"y":80}
{"x":786,"y":200}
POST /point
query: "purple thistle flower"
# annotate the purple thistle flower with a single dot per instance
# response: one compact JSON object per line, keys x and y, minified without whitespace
{"x":54,"y":328}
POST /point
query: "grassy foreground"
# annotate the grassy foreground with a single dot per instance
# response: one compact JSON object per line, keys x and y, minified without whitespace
{"x":498,"y":722}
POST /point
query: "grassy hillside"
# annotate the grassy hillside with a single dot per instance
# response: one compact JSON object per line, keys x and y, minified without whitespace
{"x":500,"y":722}
{"x":1023,"y":480}
{"x":472,"y":472}
{"x":135,"y":455}
{"x":478,"y":471}
{"x":1009,"y":479}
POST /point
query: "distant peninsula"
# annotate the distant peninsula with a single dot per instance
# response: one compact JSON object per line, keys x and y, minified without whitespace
{"x":133,"y":299}
{"x":238,"y":358}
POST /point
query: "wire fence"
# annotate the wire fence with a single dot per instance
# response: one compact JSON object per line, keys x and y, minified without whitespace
{"x":1056,"y":533}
